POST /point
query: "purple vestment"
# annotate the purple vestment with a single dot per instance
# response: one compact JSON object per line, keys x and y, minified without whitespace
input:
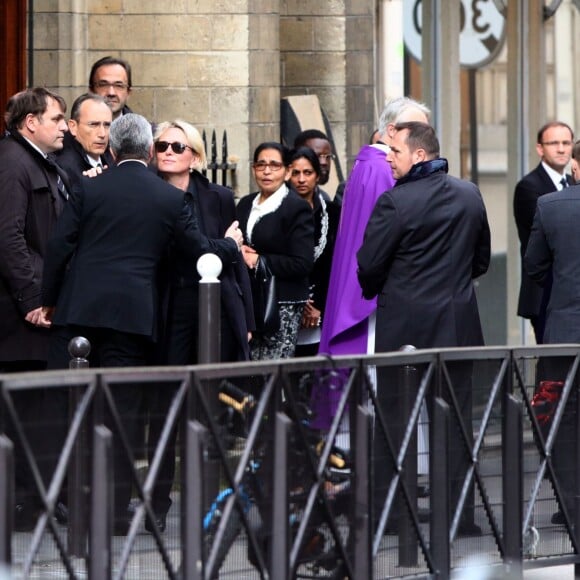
{"x":345,"y":324}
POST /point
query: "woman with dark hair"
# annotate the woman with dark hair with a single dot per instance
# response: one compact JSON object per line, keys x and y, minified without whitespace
{"x":304,"y":177}
{"x":278,"y":229}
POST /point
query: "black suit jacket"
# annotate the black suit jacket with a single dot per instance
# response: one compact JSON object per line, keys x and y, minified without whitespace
{"x":554,"y":246}
{"x":73,"y":159}
{"x":285,"y":237}
{"x":533,"y":185}
{"x":424,"y":243}
{"x":101,"y":264}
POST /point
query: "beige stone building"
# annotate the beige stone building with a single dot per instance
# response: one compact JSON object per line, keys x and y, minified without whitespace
{"x":219,"y":64}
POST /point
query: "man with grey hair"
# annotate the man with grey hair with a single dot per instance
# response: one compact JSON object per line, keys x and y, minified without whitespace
{"x":102,"y":263}
{"x":348,"y":325}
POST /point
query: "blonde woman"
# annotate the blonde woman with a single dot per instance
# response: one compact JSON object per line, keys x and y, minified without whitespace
{"x":179,"y":157}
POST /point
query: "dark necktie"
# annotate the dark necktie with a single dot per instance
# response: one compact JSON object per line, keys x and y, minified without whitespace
{"x":564,"y":182}
{"x":60,"y":184}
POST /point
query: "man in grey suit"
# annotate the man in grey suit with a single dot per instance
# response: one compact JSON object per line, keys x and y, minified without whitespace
{"x":553,"y":253}
{"x":554,"y":147}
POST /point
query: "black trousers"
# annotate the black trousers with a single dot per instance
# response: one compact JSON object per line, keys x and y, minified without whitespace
{"x":389,"y":393}
{"x":29,"y":406}
{"x":111,"y":348}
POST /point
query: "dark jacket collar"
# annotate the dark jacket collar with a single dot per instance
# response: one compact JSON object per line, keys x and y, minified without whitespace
{"x":424,"y":169}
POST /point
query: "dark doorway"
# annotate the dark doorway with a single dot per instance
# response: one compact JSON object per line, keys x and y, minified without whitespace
{"x":12,"y":49}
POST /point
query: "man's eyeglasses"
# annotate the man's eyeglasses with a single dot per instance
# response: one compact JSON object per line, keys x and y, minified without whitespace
{"x":262,"y":165}
{"x":176,"y":147}
{"x":327,"y":156}
{"x":556,"y":143}
{"x":117,"y":85}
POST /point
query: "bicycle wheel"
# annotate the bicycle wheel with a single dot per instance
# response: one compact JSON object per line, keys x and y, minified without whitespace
{"x":211,"y":525}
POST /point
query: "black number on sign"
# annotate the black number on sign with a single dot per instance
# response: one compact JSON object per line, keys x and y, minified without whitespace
{"x":417,"y":11}
{"x":416,"y":14}
{"x":477,"y":13}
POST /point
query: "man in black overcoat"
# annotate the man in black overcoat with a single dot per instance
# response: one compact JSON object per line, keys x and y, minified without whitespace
{"x":32,"y":195}
{"x":426,"y":240}
{"x":100,"y":275}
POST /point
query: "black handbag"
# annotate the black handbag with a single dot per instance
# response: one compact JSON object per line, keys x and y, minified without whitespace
{"x":265,"y":298}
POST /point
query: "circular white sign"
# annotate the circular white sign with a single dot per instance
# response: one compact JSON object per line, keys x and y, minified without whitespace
{"x":481,"y":25}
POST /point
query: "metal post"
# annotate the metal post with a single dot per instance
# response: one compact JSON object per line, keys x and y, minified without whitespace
{"x":6,"y":499}
{"x":439,"y":468}
{"x":209,"y":267}
{"x":79,"y":349}
{"x":513,"y":486}
{"x":101,"y":505}
{"x":408,"y":548}
{"x":576,"y":392}
{"x":362,"y":522}
{"x":192,"y":528}
{"x":280,"y":536}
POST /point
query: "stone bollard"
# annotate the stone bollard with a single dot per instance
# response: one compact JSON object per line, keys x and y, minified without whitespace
{"x":209,"y":267}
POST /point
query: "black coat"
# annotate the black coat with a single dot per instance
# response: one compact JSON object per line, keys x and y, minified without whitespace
{"x":320,"y":275}
{"x":554,"y":246}
{"x":215,"y":210}
{"x":424,"y":243}
{"x":533,"y":185}
{"x":285,"y":237}
{"x":102,"y":262}
{"x":73,"y":159}
{"x":29,"y":206}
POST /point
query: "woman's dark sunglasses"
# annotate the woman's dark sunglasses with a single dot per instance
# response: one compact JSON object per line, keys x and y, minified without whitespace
{"x":176,"y":146}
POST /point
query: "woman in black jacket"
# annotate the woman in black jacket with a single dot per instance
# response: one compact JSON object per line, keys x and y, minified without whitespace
{"x":278,"y":227}
{"x":304,"y":176}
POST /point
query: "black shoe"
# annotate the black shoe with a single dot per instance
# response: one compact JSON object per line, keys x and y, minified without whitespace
{"x":24,"y":518}
{"x":160,"y":522}
{"x":469,"y":529}
{"x":61,"y":513}
{"x":423,"y":515}
{"x":558,"y":518}
{"x":423,"y":491}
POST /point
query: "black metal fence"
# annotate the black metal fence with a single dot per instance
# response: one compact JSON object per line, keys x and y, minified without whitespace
{"x":446,"y":461}
{"x":220,"y":167}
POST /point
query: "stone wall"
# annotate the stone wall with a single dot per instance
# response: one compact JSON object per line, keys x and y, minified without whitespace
{"x":219,"y":64}
{"x":327,"y":50}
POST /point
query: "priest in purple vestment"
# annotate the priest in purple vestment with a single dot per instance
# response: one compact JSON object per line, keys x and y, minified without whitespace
{"x":345,"y":327}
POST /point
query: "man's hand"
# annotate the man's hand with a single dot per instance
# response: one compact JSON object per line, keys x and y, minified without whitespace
{"x":235,"y":233}
{"x":94,"y":171}
{"x":41,"y":316}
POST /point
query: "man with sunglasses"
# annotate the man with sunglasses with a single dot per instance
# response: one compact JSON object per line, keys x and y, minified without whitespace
{"x":554,"y":147}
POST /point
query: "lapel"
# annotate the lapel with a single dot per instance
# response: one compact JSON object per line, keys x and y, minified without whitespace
{"x":207,"y":204}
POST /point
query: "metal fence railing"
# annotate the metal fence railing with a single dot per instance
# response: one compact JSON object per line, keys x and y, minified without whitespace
{"x":428,"y":459}
{"x":220,"y":166}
